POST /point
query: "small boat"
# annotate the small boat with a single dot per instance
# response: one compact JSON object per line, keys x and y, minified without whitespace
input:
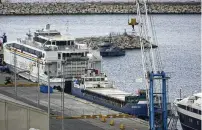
{"x":189,"y":111}
{"x":109,"y":50}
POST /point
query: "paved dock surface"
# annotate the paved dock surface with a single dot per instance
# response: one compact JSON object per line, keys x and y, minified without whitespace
{"x":73,"y":106}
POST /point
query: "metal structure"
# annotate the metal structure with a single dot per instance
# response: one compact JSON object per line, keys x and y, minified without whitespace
{"x":160,"y":112}
{"x":49,"y":96}
{"x":15,"y":72}
{"x":152,"y":70}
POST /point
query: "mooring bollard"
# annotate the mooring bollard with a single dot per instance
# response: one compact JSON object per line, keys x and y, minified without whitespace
{"x":111,"y":122}
{"x":122,"y":127}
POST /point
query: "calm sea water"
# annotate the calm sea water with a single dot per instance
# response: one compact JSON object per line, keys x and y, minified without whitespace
{"x":178,"y":37}
{"x":16,"y":1}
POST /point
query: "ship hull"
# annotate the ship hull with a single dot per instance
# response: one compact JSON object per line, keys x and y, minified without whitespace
{"x":112,"y":54}
{"x":188,"y":122}
{"x":139,"y":110}
{"x":33,"y":77}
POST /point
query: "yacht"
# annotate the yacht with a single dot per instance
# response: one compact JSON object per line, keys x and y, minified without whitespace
{"x":49,"y":52}
{"x":189,"y":111}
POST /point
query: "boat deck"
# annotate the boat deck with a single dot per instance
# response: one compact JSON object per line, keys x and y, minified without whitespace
{"x":110,"y":92}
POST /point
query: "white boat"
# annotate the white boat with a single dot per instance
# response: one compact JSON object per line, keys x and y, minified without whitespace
{"x":189,"y":111}
{"x":65,"y":58}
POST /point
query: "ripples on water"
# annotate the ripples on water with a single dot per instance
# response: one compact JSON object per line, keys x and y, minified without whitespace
{"x":178,"y":37}
{"x":16,"y":1}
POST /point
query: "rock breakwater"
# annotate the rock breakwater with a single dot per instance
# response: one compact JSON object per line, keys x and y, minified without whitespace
{"x":123,"y":41}
{"x":95,"y":8}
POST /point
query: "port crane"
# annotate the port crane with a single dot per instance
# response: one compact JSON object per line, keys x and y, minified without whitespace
{"x":154,"y":76}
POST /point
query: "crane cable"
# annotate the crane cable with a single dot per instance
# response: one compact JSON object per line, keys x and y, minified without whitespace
{"x":128,"y":12}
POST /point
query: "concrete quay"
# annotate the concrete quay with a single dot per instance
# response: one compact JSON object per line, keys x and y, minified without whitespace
{"x":97,"y":8}
{"x":75,"y":107}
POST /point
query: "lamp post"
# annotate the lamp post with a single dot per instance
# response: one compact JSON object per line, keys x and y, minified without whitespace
{"x":38,"y":87}
{"x":62,"y":96}
{"x":48,"y":96}
{"x":15,"y":73}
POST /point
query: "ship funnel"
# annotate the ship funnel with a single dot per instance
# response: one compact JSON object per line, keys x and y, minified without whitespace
{"x":47,"y":26}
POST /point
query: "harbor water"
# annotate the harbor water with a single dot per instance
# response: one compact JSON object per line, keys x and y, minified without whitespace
{"x":178,"y":37}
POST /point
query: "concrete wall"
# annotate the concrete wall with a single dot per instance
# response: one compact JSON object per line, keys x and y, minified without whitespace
{"x":94,"y":8}
{"x":15,"y":116}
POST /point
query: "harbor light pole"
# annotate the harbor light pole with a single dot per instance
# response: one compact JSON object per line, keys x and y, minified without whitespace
{"x":15,"y":73}
{"x":38,"y":87}
{"x":48,"y":96}
{"x":62,"y":96}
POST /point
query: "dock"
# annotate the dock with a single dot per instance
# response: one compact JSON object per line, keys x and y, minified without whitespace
{"x":76,"y":107}
{"x":78,"y":113}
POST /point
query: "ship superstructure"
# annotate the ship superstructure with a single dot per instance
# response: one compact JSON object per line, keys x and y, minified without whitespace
{"x":48,"y":48}
{"x":189,"y":111}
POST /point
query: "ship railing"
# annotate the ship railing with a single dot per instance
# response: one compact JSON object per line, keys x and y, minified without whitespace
{"x":99,"y":84}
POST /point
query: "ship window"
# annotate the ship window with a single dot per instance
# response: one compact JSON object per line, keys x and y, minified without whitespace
{"x":189,"y":108}
{"x":68,"y":43}
{"x":90,"y":79}
{"x":48,"y":43}
{"x":22,"y":48}
{"x":16,"y":46}
{"x":72,"y":43}
{"x":25,"y":49}
{"x":58,"y":65}
{"x":59,"y":56}
{"x":98,"y":79}
{"x":32,"y":51}
{"x":199,"y":112}
{"x":53,"y":43}
{"x":61,"y":43}
{"x":63,"y":55}
{"x":190,"y":120}
{"x":102,"y":79}
{"x":38,"y":54}
{"x":195,"y":110}
{"x":197,"y":122}
{"x":182,"y":106}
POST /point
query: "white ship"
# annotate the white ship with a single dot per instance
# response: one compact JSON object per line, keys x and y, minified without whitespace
{"x":189,"y":111}
{"x":65,"y":58}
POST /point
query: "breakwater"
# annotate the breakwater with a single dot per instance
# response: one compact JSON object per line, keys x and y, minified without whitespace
{"x":124,"y":41}
{"x":96,"y":8}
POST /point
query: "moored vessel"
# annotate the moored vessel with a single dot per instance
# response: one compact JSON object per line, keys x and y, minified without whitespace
{"x":109,"y":50}
{"x":96,"y":88}
{"x":189,"y":111}
{"x":47,"y":52}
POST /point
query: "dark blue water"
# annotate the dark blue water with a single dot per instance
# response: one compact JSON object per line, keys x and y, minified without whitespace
{"x":178,"y":38}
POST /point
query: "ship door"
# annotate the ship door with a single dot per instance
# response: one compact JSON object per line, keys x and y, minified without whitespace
{"x":59,"y":68}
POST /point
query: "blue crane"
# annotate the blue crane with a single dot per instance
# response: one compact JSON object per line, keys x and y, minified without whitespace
{"x":155,"y":77}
